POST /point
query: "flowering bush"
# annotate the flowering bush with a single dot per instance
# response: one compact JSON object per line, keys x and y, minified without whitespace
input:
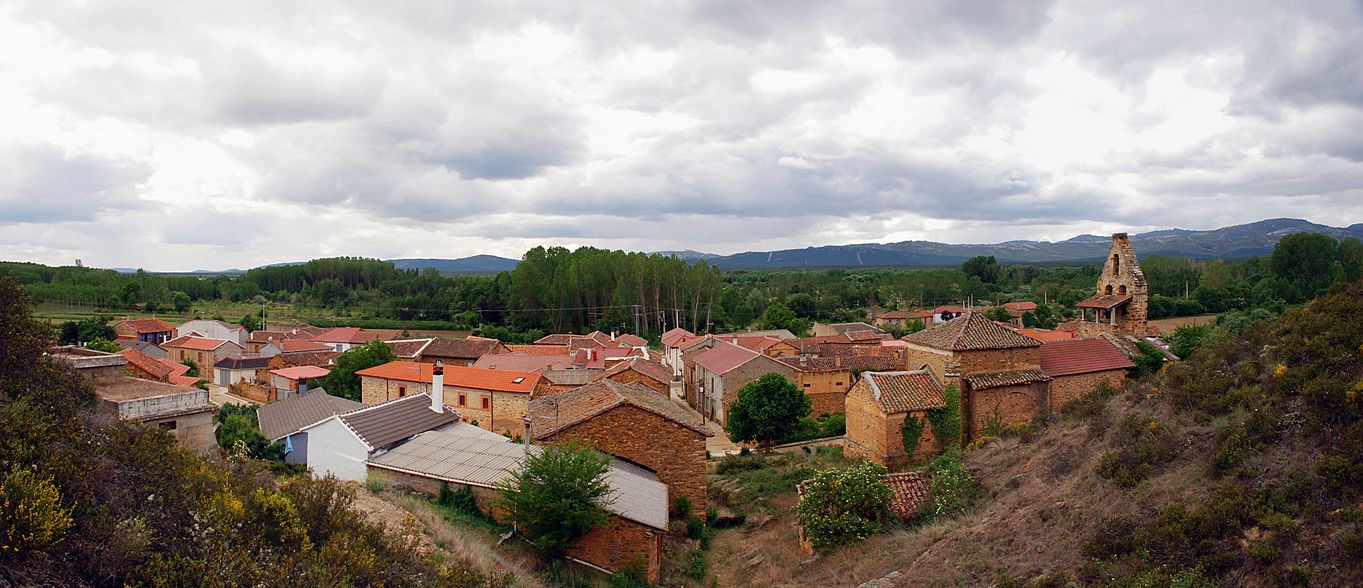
{"x":31,"y":513}
{"x":953,"y":490}
{"x":843,"y":506}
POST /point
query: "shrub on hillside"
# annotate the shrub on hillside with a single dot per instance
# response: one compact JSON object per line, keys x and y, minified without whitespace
{"x":953,"y":489}
{"x":1142,"y":445}
{"x":843,"y":506}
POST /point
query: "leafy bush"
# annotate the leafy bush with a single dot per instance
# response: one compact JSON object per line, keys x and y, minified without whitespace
{"x":767,"y":409}
{"x":695,"y":528}
{"x":1187,"y":338}
{"x":835,"y":425}
{"x":1148,"y":361}
{"x":461,"y":500}
{"x":946,"y":420}
{"x":731,"y":464}
{"x":32,"y":516}
{"x":909,"y":432}
{"x":843,"y":506}
{"x":953,"y":490}
{"x":238,"y":426}
{"x":557,"y":496}
{"x":1143,"y":444}
{"x":695,"y":569}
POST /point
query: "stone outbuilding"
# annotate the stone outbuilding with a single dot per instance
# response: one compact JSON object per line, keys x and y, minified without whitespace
{"x":204,"y":352}
{"x":644,"y":372}
{"x":633,"y":423}
{"x":1080,"y":366}
{"x":876,"y":408}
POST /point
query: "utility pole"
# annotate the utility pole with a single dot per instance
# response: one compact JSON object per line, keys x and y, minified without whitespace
{"x":636,"y":319}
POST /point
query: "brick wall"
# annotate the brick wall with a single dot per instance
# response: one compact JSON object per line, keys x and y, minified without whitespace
{"x":621,"y":543}
{"x":1008,"y":405}
{"x":826,"y":389}
{"x":998,"y":359}
{"x":1067,"y":389}
{"x":675,"y":452}
{"x":876,"y":436}
{"x":915,"y":358}
{"x":375,"y":390}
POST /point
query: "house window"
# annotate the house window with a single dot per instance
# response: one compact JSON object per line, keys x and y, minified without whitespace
{"x":838,"y":384}
{"x":463,"y":400}
{"x":806,"y":385}
{"x":486,"y":402}
{"x":167,"y":425}
{"x":402,"y":391}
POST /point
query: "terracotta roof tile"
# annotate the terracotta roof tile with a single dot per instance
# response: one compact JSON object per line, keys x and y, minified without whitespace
{"x":462,"y":377}
{"x":301,"y":372}
{"x":1020,"y":307}
{"x":555,"y":339}
{"x":650,"y":369}
{"x":909,"y":493}
{"x":1082,"y":356}
{"x":1044,"y":335}
{"x":970,"y":332}
{"x":725,"y":357}
{"x":538,"y":349}
{"x":148,"y":325}
{"x":675,"y":337}
{"x":896,"y":392}
{"x":472,"y":348}
{"x":355,"y":335}
{"x":408,"y":348}
{"x":631,"y":340}
{"x":317,"y":358}
{"x":523,"y":363}
{"x":301,"y":345}
{"x":196,"y":343}
{"x":1104,"y":301}
{"x":147,"y":364}
{"x":552,"y":414}
{"x":999,"y":379}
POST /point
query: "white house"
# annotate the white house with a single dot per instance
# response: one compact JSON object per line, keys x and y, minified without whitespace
{"x":340,"y":445}
{"x":285,"y":420}
{"x":211,"y":329}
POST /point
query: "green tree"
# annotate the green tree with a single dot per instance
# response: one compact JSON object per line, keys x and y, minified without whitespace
{"x":1187,"y":338}
{"x":181,"y":301}
{"x":239,"y":423}
{"x":779,"y":316}
{"x":557,"y":496}
{"x":104,"y":345}
{"x":193,"y":367}
{"x":844,"y":506}
{"x":983,"y":267}
{"x":1305,"y":262}
{"x":251,"y":322}
{"x":342,"y":380}
{"x":766,"y":410}
{"x":998,"y":313}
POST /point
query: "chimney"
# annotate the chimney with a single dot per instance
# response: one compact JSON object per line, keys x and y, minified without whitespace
{"x":525,"y":438}
{"x":612,"y":336}
{"x":438,"y":387}
{"x":302,"y":386}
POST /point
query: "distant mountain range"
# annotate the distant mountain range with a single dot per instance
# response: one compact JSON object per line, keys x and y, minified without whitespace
{"x":1233,"y":242}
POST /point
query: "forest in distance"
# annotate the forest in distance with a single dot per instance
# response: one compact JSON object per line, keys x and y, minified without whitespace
{"x":559,"y":290}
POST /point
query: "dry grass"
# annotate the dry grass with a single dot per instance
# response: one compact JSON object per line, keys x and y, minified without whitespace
{"x":468,"y":545}
{"x":1167,"y":325}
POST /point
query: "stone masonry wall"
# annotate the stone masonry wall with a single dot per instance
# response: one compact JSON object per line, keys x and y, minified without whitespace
{"x":375,"y":390}
{"x":826,"y":389}
{"x":1067,"y":389}
{"x":876,"y":436}
{"x":991,"y":360}
{"x":675,"y":452}
{"x":621,"y":543}
{"x":1008,"y":405}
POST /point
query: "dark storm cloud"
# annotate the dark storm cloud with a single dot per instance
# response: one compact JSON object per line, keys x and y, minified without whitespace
{"x":44,"y":184}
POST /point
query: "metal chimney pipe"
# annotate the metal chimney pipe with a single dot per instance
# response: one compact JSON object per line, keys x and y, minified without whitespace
{"x":438,"y":387}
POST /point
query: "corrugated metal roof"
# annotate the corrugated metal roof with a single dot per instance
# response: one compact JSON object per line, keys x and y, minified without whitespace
{"x":463,"y":457}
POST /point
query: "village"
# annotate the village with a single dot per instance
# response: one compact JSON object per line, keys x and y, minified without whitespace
{"x":462,"y":413}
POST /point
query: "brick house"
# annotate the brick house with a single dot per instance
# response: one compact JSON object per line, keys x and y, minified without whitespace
{"x":1080,"y":366}
{"x":643,"y":372}
{"x":458,"y":456}
{"x":876,"y":408}
{"x":826,"y":380}
{"x":147,"y":329}
{"x":714,"y":376}
{"x":997,"y":371}
{"x":496,"y":399}
{"x":203,"y":352}
{"x":634,"y":423}
{"x":1120,"y":303}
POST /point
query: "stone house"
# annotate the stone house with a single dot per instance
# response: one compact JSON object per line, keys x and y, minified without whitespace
{"x":1080,"y":366}
{"x":876,"y":408}
{"x":460,"y":352}
{"x":150,"y":330}
{"x":479,"y":460}
{"x":826,"y":379}
{"x":285,"y":420}
{"x":650,"y":374}
{"x":205,"y":353}
{"x":900,"y":319}
{"x":633,"y":423}
{"x":824,"y":330}
{"x":997,"y":371}
{"x":1120,"y":304}
{"x":496,"y":400}
{"x":715,"y":375}
{"x":182,"y":410}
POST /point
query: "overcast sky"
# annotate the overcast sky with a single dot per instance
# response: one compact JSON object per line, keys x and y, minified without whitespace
{"x":184,"y":135}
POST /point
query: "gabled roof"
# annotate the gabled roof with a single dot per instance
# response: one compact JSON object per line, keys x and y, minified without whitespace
{"x":725,"y":357}
{"x":384,"y":424}
{"x":285,"y":417}
{"x":674,"y":337}
{"x":1082,"y":356}
{"x":553,"y":350}
{"x":1104,"y":301}
{"x":778,"y":333}
{"x":552,"y":414}
{"x":845,"y":328}
{"x":317,"y":358}
{"x":301,"y":372}
{"x":650,"y":369}
{"x":948,"y":308}
{"x":555,"y":339}
{"x":523,"y":363}
{"x":896,"y":392}
{"x":147,"y":363}
{"x":460,"y":348}
{"x":1020,"y":307}
{"x":758,"y":344}
{"x":631,"y":340}
{"x":860,"y":336}
{"x":197,"y":343}
{"x":408,"y":348}
{"x":971,"y":332}
{"x":999,"y":379}
{"x":300,"y":345}
{"x":452,"y":455}
{"x":146,"y":347}
{"x":880,"y":362}
{"x":599,"y":355}
{"x":148,"y":325}
{"x":459,"y":376}
{"x":245,"y":362}
{"x":355,"y":335}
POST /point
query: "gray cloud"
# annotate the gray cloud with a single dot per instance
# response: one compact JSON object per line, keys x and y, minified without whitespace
{"x":44,"y":184}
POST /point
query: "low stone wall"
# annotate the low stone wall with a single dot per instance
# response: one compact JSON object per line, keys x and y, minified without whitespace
{"x":143,"y":408}
{"x":252,"y":391}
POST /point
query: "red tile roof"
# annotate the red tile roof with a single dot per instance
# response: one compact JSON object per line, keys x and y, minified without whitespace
{"x":1082,"y":356}
{"x":909,"y":493}
{"x":1020,"y":307}
{"x":999,"y":379}
{"x":470,"y":348}
{"x":1105,"y":301}
{"x":148,"y":325}
{"x":754,"y":343}
{"x":555,"y":339}
{"x":952,"y":309}
{"x":538,"y":349}
{"x":650,"y":369}
{"x":196,"y":343}
{"x":725,"y":357}
{"x":524,"y":363}
{"x":970,"y":332}
{"x":631,"y":340}
{"x":300,"y":345}
{"x":462,"y":377}
{"x":408,"y":348}
{"x":552,"y":414}
{"x":355,"y":335}
{"x":675,"y":337}
{"x":147,"y":364}
{"x":1043,"y":335}
{"x":599,"y":356}
{"x":301,"y":372}
{"x":896,"y":392}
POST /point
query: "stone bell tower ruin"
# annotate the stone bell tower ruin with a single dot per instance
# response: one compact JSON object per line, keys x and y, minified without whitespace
{"x":1120,"y":303}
